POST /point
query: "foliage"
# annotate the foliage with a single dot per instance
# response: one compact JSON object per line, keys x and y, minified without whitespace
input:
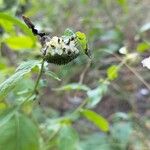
{"x":19,"y":130}
{"x":96,"y":103}
{"x":96,"y":119}
{"x":68,"y":138}
{"x":23,"y":69}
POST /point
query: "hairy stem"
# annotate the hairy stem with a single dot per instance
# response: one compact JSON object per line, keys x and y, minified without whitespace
{"x":39,"y":77}
{"x":36,"y":84}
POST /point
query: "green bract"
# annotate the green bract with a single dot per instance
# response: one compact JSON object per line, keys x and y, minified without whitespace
{"x":81,"y":37}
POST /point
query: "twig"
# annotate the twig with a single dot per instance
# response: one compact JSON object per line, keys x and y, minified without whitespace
{"x":84,"y":102}
{"x":132,"y":70}
{"x":137,"y":75}
{"x":83,"y":73}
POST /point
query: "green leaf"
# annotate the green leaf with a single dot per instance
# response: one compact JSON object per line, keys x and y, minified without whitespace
{"x":53,"y":75}
{"x":68,"y":32}
{"x":120,"y":116}
{"x":19,"y":42}
{"x":112,"y":72}
{"x":23,"y":69}
{"x":17,"y":132}
{"x":121,"y":132}
{"x":73,"y":86}
{"x":96,"y":119}
{"x":81,"y":37}
{"x":5,"y":17}
{"x":7,"y":25}
{"x":95,"y":95}
{"x":123,"y":4}
{"x":3,"y":106}
{"x":143,"y":47}
{"x":96,"y":141}
{"x":28,"y":65}
{"x":67,"y":138}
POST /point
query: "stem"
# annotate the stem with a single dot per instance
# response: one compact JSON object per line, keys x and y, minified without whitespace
{"x":36,"y":84}
{"x":80,"y":106}
{"x":51,"y":138}
{"x":132,"y":70}
{"x":39,"y":77}
{"x":84,"y":72}
{"x":138,"y":76}
{"x":135,"y":73}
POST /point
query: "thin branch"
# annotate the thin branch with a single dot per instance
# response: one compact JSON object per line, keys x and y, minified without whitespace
{"x":83,"y":73}
{"x":36,"y":84}
{"x":84,"y":102}
{"x":137,"y":75}
{"x":132,"y":70}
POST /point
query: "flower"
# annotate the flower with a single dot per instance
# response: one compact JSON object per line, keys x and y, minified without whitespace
{"x":123,"y":50}
{"x":61,"y":50}
{"x":146,"y":62}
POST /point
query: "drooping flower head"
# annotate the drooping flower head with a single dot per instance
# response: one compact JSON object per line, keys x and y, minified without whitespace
{"x":61,"y":50}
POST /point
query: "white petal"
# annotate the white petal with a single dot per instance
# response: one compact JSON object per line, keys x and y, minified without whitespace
{"x":146,"y":62}
{"x":72,"y":44}
{"x":59,"y":51}
{"x":54,"y":41}
{"x":52,"y":52}
{"x":76,"y":50}
{"x":123,"y":50}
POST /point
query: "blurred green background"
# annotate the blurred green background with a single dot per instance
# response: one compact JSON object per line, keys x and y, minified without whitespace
{"x":119,"y":85}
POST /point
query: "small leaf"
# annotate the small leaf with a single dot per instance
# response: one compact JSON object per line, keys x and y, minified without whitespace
{"x":121,"y":132}
{"x":7,"y":25}
{"x":143,"y":47}
{"x":112,"y":72}
{"x":53,"y":75}
{"x":68,"y":32}
{"x":3,"y":106}
{"x":67,"y":138}
{"x":123,"y":4}
{"x":96,"y":141}
{"x":28,"y":65}
{"x":81,"y":37}
{"x":97,"y":119}
{"x":5,"y":17}
{"x":73,"y":86}
{"x":19,"y":131}
{"x":95,"y":95}
{"x":23,"y":69}
{"x":19,"y":42}
{"x":120,"y":116}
